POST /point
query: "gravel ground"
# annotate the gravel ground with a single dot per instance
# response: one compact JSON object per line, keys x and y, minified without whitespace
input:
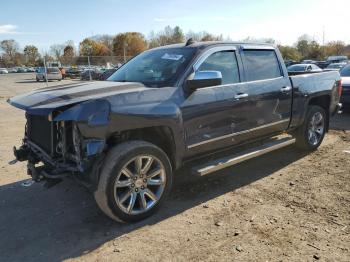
{"x":284,"y":206}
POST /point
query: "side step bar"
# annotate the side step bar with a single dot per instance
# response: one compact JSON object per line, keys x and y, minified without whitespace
{"x":224,"y":162}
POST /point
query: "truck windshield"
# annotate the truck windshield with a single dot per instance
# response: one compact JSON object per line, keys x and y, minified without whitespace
{"x":345,"y":71}
{"x":155,"y":68}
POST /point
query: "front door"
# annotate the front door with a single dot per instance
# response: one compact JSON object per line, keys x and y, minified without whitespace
{"x":207,"y":112}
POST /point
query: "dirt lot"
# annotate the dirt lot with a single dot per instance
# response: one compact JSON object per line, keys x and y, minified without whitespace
{"x":284,"y":206}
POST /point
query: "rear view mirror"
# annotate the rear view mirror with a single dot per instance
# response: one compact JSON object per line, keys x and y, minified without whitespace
{"x":202,"y":79}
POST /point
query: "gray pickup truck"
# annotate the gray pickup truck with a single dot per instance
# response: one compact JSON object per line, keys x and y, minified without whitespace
{"x":204,"y":106}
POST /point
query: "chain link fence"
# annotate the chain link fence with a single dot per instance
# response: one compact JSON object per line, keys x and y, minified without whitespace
{"x":93,"y":61}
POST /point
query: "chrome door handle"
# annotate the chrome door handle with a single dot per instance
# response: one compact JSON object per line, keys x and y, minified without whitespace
{"x":286,"y":89}
{"x":239,"y":96}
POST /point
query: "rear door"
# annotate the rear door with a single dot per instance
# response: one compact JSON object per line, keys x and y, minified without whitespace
{"x":268,"y":92}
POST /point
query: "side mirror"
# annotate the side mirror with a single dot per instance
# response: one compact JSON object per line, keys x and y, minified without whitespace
{"x":202,"y":79}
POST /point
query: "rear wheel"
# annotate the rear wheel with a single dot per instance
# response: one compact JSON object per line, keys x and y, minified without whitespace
{"x":310,"y":135}
{"x":135,"y":179}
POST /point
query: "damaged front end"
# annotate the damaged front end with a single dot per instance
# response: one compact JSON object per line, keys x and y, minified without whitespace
{"x":60,"y":144}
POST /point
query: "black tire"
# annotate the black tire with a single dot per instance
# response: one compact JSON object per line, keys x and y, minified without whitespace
{"x":119,"y":157}
{"x":302,"y":134}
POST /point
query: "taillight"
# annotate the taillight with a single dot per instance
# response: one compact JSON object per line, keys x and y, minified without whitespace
{"x":340,"y":88}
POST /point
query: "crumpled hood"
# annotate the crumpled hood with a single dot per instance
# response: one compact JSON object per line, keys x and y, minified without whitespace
{"x":45,"y":100}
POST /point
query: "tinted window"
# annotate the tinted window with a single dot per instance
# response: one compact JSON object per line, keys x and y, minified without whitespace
{"x":296,"y":68}
{"x":52,"y":70}
{"x":345,"y":71}
{"x":261,"y":64}
{"x":226,"y":63}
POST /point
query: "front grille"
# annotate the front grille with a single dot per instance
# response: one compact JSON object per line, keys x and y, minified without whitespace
{"x":40,"y":130}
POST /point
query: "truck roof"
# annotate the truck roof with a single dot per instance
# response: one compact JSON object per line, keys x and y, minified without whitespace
{"x":202,"y":45}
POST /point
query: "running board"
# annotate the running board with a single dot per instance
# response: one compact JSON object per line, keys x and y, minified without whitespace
{"x":224,"y":162}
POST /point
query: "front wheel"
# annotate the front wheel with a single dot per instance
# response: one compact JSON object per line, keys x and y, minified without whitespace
{"x":310,"y":135}
{"x":135,"y":179}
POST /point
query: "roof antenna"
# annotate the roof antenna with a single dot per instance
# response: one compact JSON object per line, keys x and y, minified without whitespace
{"x":189,"y":42}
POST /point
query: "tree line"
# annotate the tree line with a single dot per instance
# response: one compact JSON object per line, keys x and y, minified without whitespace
{"x":132,"y":43}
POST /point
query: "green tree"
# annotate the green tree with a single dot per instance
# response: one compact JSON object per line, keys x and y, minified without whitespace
{"x":289,"y":53}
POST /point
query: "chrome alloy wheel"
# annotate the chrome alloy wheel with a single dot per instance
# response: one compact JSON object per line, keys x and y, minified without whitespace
{"x":316,"y":128}
{"x":140,"y":184}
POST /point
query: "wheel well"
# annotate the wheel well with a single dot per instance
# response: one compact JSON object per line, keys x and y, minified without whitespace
{"x":324,"y":102}
{"x":160,"y":136}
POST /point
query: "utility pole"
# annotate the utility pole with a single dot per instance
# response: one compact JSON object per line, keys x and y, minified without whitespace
{"x":125,"y":45}
{"x":323,"y":35}
{"x":90,"y":52}
{"x":47,"y":84}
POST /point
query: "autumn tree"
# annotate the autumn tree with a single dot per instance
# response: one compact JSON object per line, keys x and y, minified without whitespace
{"x":166,"y":37}
{"x":10,"y":48}
{"x":335,"y":48}
{"x":105,"y":39}
{"x":68,"y":54}
{"x":211,"y":37}
{"x":57,"y":50}
{"x":132,"y":43}
{"x":89,"y":47}
{"x":31,"y":53}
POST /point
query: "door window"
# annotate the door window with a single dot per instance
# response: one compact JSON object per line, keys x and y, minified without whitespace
{"x":226,"y":63}
{"x":261,"y":64}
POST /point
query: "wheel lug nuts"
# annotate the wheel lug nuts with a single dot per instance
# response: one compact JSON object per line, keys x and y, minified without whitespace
{"x":145,"y":180}
{"x":132,"y":185}
{"x":142,"y":187}
{"x":136,"y":189}
{"x":141,"y":176}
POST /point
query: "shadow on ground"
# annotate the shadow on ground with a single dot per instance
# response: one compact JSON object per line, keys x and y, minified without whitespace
{"x":37,"y":224}
{"x":341,"y":121}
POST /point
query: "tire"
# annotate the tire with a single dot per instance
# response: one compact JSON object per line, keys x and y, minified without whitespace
{"x":37,"y":79}
{"x":310,"y":135}
{"x":116,"y":201}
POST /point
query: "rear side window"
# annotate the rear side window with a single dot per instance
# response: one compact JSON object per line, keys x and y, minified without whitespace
{"x":261,"y":64}
{"x":226,"y":63}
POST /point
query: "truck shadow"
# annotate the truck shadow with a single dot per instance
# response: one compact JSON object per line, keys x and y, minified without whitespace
{"x":64,"y":222}
{"x":341,"y":121}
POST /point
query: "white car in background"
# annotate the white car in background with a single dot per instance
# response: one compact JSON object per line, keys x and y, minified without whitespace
{"x":3,"y":71}
{"x":52,"y":73}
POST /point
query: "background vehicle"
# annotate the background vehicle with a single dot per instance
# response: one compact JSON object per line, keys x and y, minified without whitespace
{"x":302,"y":68}
{"x":337,"y":59}
{"x":30,"y":69}
{"x":73,"y":73}
{"x":53,"y":73}
{"x":3,"y":71}
{"x":335,"y":66}
{"x":203,"y":105}
{"x":95,"y":74}
{"x":345,"y":78}
{"x":12,"y":70}
{"x":21,"y":70}
{"x":107,"y":73}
